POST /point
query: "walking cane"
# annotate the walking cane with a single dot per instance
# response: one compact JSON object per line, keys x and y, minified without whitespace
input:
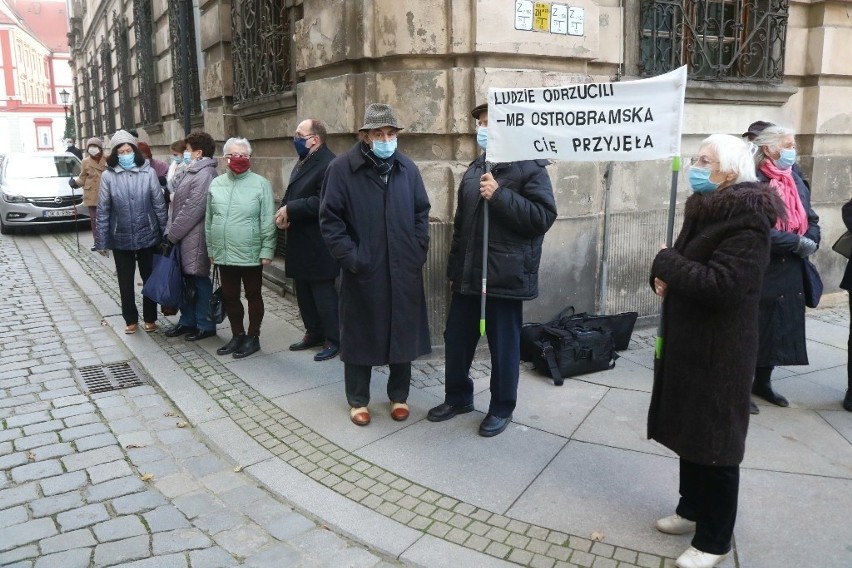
{"x":658,"y":345}
{"x":484,"y":260}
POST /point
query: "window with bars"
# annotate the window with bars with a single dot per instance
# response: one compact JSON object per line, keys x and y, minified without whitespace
{"x":87,"y":104}
{"x":262,"y":47}
{"x":109,"y":94}
{"x":180,"y":32}
{"x":122,"y":60}
{"x":718,"y":40}
{"x":95,"y":101}
{"x":149,"y":107}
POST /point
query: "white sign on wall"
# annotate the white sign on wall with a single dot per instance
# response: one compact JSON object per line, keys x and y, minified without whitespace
{"x":524,"y":15}
{"x":591,"y":122}
{"x":559,"y":19}
{"x":575,"y":21}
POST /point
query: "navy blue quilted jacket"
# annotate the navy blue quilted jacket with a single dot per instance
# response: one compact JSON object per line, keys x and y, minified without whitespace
{"x":132,"y":213}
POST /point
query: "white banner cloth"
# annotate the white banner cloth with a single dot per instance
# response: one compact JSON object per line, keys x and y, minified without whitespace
{"x":626,"y":122}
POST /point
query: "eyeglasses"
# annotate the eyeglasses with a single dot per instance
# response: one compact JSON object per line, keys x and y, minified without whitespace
{"x":701,"y":161}
{"x":237,"y":155}
{"x":377,"y":135}
{"x":300,"y":137}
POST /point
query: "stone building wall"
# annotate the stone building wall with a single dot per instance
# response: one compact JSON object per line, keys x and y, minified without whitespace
{"x":434,"y":60}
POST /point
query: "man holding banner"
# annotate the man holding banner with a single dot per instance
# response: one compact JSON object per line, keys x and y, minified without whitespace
{"x":517,"y":198}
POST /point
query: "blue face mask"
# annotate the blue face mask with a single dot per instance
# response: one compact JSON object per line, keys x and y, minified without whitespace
{"x":301,"y":147}
{"x":383,"y":149}
{"x":482,"y":137}
{"x":699,"y":179}
{"x":187,"y":157}
{"x":127,"y":161}
{"x":177,"y":159}
{"x":787,"y":159}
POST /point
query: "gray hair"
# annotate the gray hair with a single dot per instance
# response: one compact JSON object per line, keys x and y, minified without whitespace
{"x":734,"y":156}
{"x":771,"y":137}
{"x":236,"y":141}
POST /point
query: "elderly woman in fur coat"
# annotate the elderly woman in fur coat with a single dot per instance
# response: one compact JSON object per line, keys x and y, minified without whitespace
{"x":711,"y":282}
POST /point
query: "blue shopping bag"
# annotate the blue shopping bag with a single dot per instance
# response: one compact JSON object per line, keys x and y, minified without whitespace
{"x":165,"y":285}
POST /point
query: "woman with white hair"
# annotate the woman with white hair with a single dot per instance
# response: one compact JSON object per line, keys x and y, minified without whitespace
{"x":240,"y":231}
{"x":796,"y":237}
{"x":710,"y":280}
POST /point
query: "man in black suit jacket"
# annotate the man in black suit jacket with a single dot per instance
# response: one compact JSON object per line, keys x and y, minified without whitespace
{"x":307,"y":260}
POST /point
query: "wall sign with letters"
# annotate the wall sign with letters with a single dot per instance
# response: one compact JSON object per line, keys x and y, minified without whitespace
{"x":548,"y":17}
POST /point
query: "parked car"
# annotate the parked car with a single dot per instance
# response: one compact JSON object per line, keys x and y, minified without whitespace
{"x":34,"y":190}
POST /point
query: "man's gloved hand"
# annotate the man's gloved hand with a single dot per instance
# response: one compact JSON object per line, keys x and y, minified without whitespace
{"x":73,"y":183}
{"x":806,"y":247}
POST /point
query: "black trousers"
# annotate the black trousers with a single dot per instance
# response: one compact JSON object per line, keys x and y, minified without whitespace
{"x":503,"y":328}
{"x":317,"y":301}
{"x":251,"y":278}
{"x":357,"y":379}
{"x":125,"y":270}
{"x":708,"y":496}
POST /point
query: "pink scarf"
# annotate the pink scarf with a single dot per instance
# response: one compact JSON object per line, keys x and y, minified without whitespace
{"x":782,"y":181}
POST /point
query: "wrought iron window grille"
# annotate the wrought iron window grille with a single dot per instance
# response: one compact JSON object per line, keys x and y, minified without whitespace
{"x":719,"y":40}
{"x":87,"y":103}
{"x":143,"y":24}
{"x":95,"y":101}
{"x":122,"y":59}
{"x":180,"y":32}
{"x":262,"y":47}
{"x":109,"y":90}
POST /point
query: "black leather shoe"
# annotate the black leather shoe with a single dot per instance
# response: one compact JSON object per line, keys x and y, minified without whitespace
{"x":250,"y":345}
{"x":179,"y":330}
{"x":232,"y":345}
{"x":446,"y":411}
{"x":307,"y":342}
{"x":329,"y":351}
{"x":493,"y":425}
{"x":766,"y":393}
{"x":753,"y":408}
{"x":847,"y":401}
{"x":198,"y":335}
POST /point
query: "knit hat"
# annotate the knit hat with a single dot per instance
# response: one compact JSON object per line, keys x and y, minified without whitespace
{"x":95,"y":142}
{"x":479,"y":109}
{"x":379,"y":115}
{"x":755,"y":128}
{"x":122,"y":137}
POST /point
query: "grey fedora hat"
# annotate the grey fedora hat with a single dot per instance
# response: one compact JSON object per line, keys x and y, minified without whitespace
{"x":379,"y":115}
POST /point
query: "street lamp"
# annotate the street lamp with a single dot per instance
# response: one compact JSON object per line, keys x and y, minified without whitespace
{"x":63,"y":96}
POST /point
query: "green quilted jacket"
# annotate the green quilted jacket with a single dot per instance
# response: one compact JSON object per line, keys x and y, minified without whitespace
{"x":240,"y":222}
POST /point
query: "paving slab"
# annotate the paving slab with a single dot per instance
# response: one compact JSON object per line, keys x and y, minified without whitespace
{"x":782,"y":517}
{"x":287,"y":372}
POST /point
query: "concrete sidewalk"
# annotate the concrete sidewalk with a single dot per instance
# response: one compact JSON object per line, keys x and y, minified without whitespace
{"x":572,"y":482}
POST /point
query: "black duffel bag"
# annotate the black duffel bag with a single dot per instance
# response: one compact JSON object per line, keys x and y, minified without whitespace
{"x":621,"y":325}
{"x":565,"y":351}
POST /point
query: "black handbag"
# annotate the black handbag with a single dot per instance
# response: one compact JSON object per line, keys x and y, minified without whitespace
{"x":843,"y":245}
{"x":216,"y":312}
{"x":568,"y":351}
{"x":812,"y":284}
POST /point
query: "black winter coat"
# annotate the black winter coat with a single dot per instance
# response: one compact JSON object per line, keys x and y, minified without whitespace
{"x":846,"y":283}
{"x":307,"y":257}
{"x":782,"y":302}
{"x":379,"y":233}
{"x":700,"y":399}
{"x":520,"y":213}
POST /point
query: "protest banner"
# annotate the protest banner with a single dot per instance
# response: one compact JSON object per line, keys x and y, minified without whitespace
{"x":591,"y":122}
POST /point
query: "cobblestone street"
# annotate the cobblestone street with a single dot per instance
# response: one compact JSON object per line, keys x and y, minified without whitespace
{"x":118,"y":477}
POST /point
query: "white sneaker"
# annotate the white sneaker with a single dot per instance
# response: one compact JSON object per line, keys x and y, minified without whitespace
{"x":694,"y":558}
{"x":675,"y":525}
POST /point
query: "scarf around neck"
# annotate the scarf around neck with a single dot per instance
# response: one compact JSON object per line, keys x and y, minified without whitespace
{"x":382,"y":165}
{"x":782,"y":181}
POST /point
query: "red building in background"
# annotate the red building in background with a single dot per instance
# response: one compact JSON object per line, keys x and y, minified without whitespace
{"x":34,"y":71}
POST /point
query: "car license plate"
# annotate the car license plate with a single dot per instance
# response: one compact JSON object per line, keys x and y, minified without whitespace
{"x":58,"y":213}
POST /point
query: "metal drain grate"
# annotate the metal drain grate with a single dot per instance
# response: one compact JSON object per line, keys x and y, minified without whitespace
{"x":103,"y":378}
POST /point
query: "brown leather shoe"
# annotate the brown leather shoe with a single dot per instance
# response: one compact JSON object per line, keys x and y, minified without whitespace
{"x":360,"y":416}
{"x":399,"y":411}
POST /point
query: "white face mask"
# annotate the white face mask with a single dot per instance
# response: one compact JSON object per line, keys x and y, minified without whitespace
{"x":93,"y":150}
